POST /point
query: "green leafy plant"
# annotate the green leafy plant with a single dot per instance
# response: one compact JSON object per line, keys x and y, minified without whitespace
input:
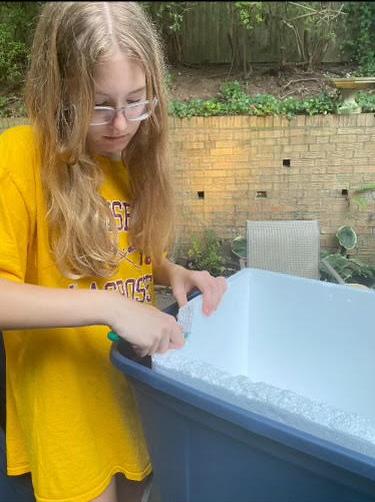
{"x":233,"y":100}
{"x":350,"y":269}
{"x":17,"y":21}
{"x":239,"y":246}
{"x":249,"y":14}
{"x":360,"y":40}
{"x":169,"y":18}
{"x":366,"y":101}
{"x":205,"y":253}
{"x":347,"y":238}
{"x":169,"y":80}
{"x":366,"y":69}
{"x":13,"y":58}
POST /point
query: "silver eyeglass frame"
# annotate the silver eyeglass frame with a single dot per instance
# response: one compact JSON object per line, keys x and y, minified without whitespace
{"x":114,"y":111}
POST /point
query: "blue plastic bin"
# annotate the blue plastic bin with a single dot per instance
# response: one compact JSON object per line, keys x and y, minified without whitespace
{"x":205,"y":449}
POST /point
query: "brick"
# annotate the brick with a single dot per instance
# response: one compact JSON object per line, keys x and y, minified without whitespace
{"x":361,"y":119}
{"x":282,"y":141}
{"x":257,"y":142}
{"x":292,"y":133}
{"x":370,"y":119}
{"x":346,"y":120}
{"x":341,"y":153}
{"x":321,"y":169}
{"x":302,"y":140}
{"x":344,"y":139}
{"x":318,"y":148}
{"x":364,"y":169}
{"x":271,"y":133}
{"x":224,"y":143}
{"x":349,"y":130}
{"x":322,"y":132}
{"x":316,"y":121}
{"x":290,"y":149}
{"x":277,"y":122}
{"x":193,"y":145}
{"x":298,"y":121}
{"x":259,"y":163}
{"x":322,"y":139}
{"x":315,"y":155}
{"x":362,"y":154}
{"x":219,"y":151}
{"x":269,"y":142}
{"x":343,"y":168}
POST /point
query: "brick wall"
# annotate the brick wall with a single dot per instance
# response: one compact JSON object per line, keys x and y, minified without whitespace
{"x":231,"y":169}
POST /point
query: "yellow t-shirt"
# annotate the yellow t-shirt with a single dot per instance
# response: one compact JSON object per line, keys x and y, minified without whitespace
{"x":71,"y":416}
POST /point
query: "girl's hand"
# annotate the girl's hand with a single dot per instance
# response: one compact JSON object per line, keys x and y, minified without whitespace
{"x":183,"y":281}
{"x":145,"y":327}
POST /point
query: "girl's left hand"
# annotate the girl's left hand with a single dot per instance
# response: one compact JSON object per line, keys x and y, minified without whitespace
{"x":182,"y":281}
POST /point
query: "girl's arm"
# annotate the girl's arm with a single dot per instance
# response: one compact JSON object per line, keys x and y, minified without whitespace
{"x":182,"y":281}
{"x":29,"y":306}
{"x":164,"y":272}
{"x":25,"y":306}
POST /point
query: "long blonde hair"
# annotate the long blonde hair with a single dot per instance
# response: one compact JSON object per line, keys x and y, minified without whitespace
{"x":69,"y":41}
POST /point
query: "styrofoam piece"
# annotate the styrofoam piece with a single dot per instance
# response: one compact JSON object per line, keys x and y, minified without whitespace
{"x":312,"y":340}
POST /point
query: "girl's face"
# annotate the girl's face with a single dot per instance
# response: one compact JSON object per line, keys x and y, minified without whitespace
{"x":118,"y":82}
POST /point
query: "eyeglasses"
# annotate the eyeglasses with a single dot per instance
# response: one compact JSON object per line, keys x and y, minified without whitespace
{"x":134,"y":112}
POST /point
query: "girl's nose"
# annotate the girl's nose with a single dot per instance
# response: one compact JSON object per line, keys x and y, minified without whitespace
{"x":119,"y":120}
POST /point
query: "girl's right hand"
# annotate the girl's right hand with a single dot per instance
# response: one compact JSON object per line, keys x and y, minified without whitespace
{"x":145,"y":327}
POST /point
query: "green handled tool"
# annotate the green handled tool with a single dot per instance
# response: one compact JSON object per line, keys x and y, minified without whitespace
{"x":113,"y":336}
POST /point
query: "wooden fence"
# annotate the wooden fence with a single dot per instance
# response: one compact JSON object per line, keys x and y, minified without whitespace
{"x":205,"y":37}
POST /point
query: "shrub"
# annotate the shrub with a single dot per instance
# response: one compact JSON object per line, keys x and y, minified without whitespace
{"x":360,"y":40}
{"x":206,"y":253}
{"x":17,"y":22}
{"x":233,"y":100}
{"x":13,"y":58}
{"x":366,"y":101}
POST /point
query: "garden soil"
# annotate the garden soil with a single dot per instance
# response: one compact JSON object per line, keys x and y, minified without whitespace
{"x":204,"y":81}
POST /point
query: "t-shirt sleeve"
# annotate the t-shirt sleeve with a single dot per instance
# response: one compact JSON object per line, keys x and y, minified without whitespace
{"x":14,"y":231}
{"x":15,"y":220}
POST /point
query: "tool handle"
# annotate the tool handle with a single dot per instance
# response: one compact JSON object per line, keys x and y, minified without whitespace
{"x":128,"y":351}
{"x":114,"y":337}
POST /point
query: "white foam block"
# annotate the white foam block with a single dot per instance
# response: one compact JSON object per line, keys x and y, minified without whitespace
{"x":299,"y":348}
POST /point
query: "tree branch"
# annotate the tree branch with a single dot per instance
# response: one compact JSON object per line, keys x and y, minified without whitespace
{"x":300,"y":80}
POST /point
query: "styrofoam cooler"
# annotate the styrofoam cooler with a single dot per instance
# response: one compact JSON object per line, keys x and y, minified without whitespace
{"x":312,"y":338}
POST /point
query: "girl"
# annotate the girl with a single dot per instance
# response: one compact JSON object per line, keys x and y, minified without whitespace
{"x":85,"y":219}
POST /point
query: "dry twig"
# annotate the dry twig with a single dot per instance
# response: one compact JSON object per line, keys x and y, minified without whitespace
{"x":299,"y":80}
{"x":287,"y":94}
